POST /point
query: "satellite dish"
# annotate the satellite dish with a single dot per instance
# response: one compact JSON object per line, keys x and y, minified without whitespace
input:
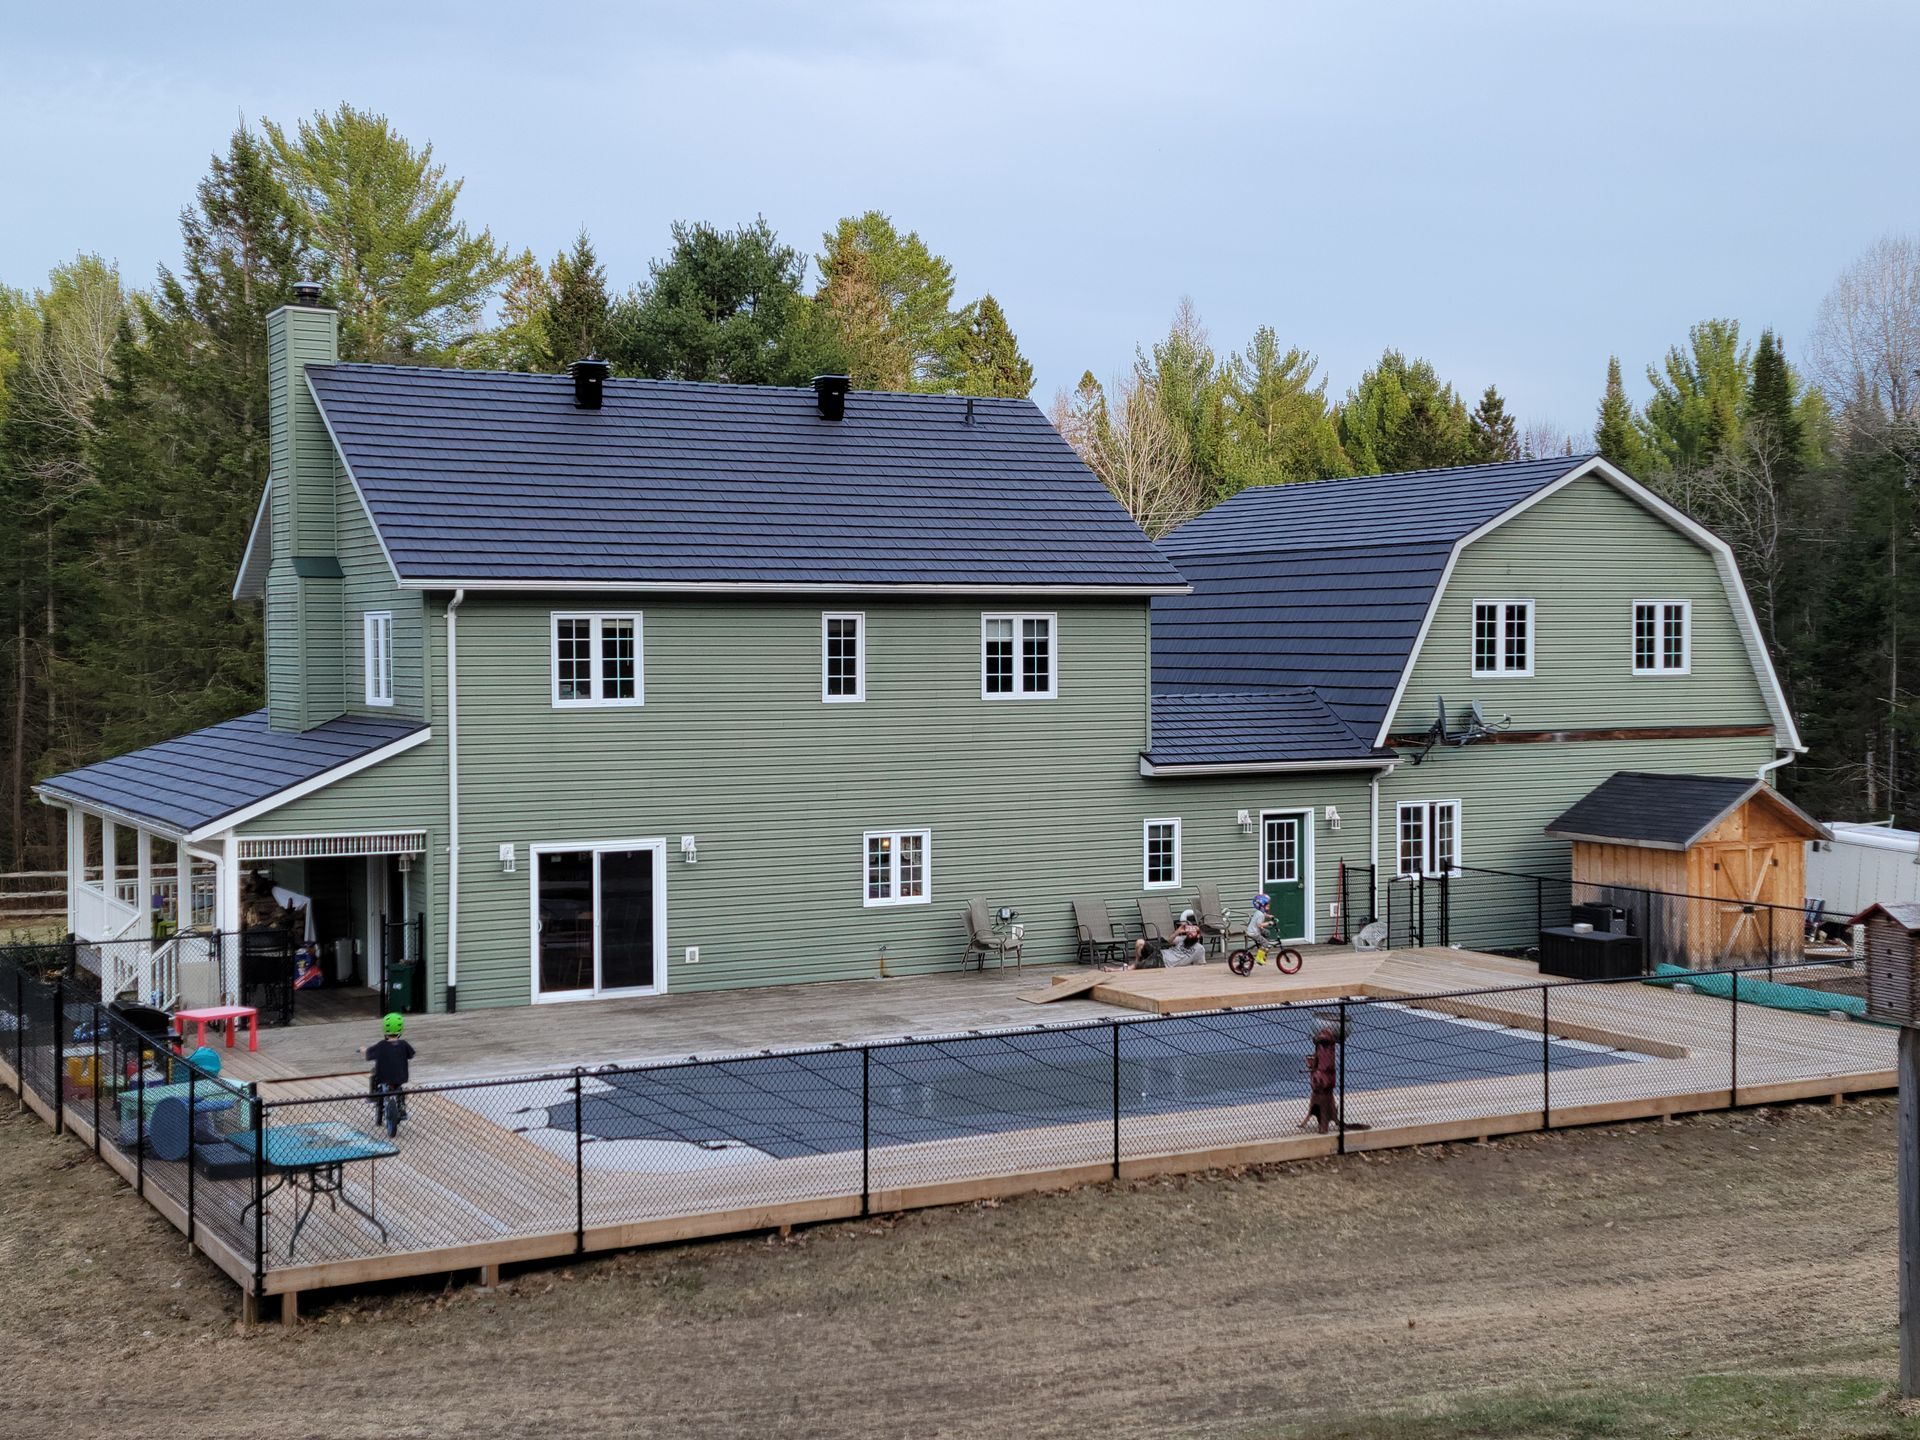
{"x":1441,"y":724}
{"x":1477,"y":717}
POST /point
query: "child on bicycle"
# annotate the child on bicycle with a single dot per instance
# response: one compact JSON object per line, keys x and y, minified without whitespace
{"x":390,"y":1068}
{"x":1258,"y":919}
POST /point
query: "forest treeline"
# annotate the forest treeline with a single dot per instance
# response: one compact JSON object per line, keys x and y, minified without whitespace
{"x":133,"y":433}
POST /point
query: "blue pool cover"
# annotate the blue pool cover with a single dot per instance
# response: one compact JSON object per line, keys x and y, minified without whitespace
{"x":810,"y":1104}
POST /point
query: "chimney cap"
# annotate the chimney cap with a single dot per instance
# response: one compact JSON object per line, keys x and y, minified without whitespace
{"x":589,"y":379}
{"x":830,"y":394}
{"x":306,"y":292}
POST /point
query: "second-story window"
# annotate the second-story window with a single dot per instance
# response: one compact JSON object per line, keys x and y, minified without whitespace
{"x":843,"y":657}
{"x":1503,"y":637}
{"x":1662,"y":644}
{"x":1017,"y":660}
{"x":376,"y":646}
{"x":597,"y":660}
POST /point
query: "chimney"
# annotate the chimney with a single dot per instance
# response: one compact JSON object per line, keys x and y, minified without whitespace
{"x":830,"y":393}
{"x":306,"y":292}
{"x":589,"y":378}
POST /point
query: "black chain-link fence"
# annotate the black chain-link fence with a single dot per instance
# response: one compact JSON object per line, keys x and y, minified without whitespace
{"x":585,"y":1159}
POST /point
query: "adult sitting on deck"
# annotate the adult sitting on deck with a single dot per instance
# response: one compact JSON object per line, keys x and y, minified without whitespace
{"x":1184,"y":947}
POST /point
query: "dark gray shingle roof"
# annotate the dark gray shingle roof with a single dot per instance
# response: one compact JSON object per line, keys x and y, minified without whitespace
{"x":1325,"y":583}
{"x":494,"y":477}
{"x":191,"y":781}
{"x":1257,"y":727}
{"x":1904,"y":913}
{"x":1664,"y":812}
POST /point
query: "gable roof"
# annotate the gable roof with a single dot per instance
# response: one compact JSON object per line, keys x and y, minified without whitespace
{"x":1667,"y":812}
{"x":495,"y":480}
{"x":1273,"y":729}
{"x":1317,"y":582}
{"x":201,"y":781}
{"x":1904,"y":913}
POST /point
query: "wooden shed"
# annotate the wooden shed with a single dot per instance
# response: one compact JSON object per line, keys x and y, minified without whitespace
{"x":1710,"y":869}
{"x":1893,"y":960}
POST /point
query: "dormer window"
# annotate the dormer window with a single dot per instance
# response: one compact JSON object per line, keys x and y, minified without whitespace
{"x":1502,"y":637}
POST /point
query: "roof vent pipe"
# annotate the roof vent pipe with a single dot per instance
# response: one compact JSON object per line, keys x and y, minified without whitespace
{"x":306,"y":292}
{"x":589,"y":380}
{"x":830,"y":393}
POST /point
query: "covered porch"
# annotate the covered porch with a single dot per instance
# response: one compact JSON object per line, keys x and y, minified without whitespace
{"x":176,"y":898}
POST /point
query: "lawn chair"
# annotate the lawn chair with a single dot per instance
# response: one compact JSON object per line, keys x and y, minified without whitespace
{"x":983,"y":940}
{"x":1099,"y":942}
{"x":1213,"y":915}
{"x":1156,"y":921}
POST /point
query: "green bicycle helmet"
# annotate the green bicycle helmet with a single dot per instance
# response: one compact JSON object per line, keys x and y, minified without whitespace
{"x":393,"y":1024}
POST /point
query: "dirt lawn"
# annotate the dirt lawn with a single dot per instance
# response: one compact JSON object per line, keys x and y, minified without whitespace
{"x":1267,"y":1302}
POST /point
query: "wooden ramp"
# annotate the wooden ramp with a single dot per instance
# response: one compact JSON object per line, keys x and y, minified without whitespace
{"x":1328,"y":973}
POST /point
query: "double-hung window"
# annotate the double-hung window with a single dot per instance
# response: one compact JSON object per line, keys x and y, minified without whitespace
{"x":843,"y":658}
{"x":899,"y":867}
{"x":1429,"y":832}
{"x":376,"y":647}
{"x":1017,"y":659}
{"x":597,"y":660}
{"x":1662,"y":637}
{"x":1503,"y":637}
{"x":1161,"y":855}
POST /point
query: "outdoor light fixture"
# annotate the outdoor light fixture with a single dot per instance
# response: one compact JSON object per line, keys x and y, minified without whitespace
{"x":1333,"y":817}
{"x":689,"y":851}
{"x":1007,"y":912}
{"x":1246,"y":822}
{"x":507,"y":860}
{"x":406,"y":864}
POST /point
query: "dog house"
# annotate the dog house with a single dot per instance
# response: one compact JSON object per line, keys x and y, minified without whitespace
{"x":1710,"y":870}
{"x":1893,"y":960}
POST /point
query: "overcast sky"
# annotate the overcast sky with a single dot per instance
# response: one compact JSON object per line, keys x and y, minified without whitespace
{"x":1513,"y":190}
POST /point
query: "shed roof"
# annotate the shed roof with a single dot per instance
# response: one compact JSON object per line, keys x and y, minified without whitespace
{"x":1668,"y":812}
{"x":1254,"y":729}
{"x":483,"y":478}
{"x":186,"y":784}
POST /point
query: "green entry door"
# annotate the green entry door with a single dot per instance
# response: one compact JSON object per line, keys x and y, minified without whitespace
{"x":1283,"y":873}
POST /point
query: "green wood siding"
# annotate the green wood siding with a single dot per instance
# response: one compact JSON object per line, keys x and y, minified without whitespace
{"x":1029,"y":803}
{"x":304,"y":650}
{"x":1509,"y":793}
{"x":368,"y":584}
{"x":1584,"y":556}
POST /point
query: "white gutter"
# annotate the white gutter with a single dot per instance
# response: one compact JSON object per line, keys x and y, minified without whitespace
{"x":453,"y":804}
{"x":1150,"y":770}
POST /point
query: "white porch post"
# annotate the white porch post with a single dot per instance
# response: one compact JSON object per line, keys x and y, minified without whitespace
{"x":227,"y":909}
{"x":143,"y":903}
{"x":183,"y":888}
{"x":76,"y":864}
{"x":109,"y":858}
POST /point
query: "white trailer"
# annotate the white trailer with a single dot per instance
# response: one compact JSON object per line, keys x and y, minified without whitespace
{"x":1862,"y":864}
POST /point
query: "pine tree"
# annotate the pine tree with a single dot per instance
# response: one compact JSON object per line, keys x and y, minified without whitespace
{"x":1402,"y":416}
{"x":1495,"y":436}
{"x":1278,"y":424}
{"x":985,"y":357}
{"x":1616,"y":435}
{"x":888,"y":299}
{"x":576,"y":313}
{"x":410,"y":279}
{"x":1772,"y":410}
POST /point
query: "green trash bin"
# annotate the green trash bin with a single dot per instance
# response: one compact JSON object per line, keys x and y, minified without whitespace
{"x":401,"y":996}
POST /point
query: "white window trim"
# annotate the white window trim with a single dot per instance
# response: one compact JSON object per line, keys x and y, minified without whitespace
{"x":597,"y":617}
{"x":893,"y":899}
{"x":658,"y":846}
{"x":1658,"y":670}
{"x":1147,"y":882}
{"x":1500,"y":646}
{"x":859,"y":618}
{"x":1426,"y":869}
{"x":1052,"y":692}
{"x":1304,"y":859}
{"x":376,"y":655}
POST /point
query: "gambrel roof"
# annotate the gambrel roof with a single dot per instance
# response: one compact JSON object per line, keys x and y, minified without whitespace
{"x":487,"y":480}
{"x":1331,"y":584}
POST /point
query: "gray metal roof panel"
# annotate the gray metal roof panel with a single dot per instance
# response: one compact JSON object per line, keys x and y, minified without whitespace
{"x":191,"y":781}
{"x":481,"y":475}
{"x":1251,"y":727}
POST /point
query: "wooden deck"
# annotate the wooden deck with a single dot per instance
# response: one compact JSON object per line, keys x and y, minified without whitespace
{"x":480,"y":1181}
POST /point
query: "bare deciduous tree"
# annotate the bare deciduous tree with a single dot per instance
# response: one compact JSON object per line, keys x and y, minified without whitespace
{"x":1866,"y":338}
{"x":1133,"y":445}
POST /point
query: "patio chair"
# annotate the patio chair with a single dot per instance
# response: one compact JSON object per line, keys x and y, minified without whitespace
{"x":1156,"y":921}
{"x":199,"y":984}
{"x":1099,"y":942}
{"x":983,"y":940}
{"x":1213,"y":914}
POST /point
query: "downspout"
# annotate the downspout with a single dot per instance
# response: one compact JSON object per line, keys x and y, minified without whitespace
{"x":453,"y":805}
{"x":1373,"y":844}
{"x":1765,"y":772}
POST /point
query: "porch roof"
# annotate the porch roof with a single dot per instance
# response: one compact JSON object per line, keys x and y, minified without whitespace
{"x":187,"y":785}
{"x":1259,"y":729}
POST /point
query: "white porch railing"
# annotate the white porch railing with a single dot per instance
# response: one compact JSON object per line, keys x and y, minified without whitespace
{"x":100,"y":916}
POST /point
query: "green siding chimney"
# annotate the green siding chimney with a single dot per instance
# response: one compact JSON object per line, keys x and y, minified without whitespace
{"x":305,"y":624}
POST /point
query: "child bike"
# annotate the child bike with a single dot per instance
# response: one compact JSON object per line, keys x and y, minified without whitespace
{"x":1258,"y":949}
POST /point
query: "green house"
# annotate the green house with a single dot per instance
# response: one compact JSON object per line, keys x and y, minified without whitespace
{"x":623,"y":687}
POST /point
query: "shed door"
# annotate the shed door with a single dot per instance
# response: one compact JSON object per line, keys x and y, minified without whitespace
{"x":1282,"y":873}
{"x":1746,"y":876}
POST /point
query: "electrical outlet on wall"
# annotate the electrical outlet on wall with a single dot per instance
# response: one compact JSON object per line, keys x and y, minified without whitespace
{"x":693,"y":954}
